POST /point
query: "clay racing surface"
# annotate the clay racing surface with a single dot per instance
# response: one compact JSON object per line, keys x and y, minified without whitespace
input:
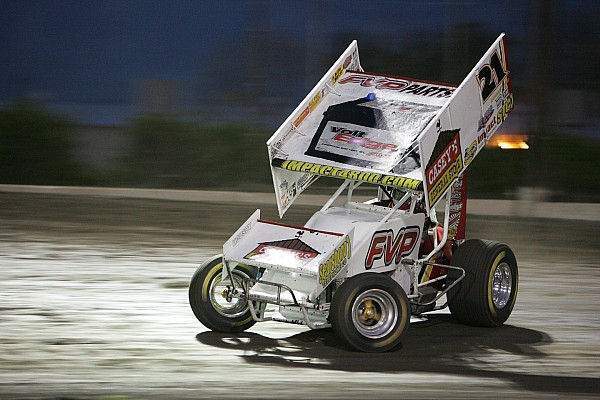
{"x":93,"y":305}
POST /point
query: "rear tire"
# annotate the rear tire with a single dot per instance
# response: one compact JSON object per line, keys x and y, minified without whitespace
{"x":487,"y":294}
{"x":370,"y":312}
{"x":209,"y":305}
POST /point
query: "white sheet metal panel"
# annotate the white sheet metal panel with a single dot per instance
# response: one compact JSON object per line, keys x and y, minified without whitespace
{"x":475,"y":111}
{"x":283,"y":247}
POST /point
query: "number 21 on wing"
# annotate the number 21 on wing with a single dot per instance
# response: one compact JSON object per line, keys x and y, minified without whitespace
{"x":490,"y":75}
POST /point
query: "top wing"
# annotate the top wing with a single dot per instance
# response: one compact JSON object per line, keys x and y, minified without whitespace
{"x":385,"y":130}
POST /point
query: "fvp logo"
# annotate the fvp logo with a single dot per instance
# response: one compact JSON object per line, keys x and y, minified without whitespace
{"x":392,"y":248}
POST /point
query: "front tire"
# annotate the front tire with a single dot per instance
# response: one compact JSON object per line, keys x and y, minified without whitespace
{"x":487,"y":294}
{"x":370,"y":312}
{"x":210,"y":306}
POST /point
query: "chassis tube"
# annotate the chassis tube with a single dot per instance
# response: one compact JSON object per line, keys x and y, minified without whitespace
{"x":441,"y":244}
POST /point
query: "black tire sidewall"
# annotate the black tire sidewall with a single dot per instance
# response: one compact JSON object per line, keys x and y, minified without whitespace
{"x":503,"y":254}
{"x":471,"y":300}
{"x":341,"y":312}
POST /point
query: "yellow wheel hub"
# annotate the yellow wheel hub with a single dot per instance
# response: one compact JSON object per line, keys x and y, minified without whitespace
{"x":369,"y":311}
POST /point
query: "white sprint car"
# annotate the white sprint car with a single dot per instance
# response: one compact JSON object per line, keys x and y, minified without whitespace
{"x":363,"y":268}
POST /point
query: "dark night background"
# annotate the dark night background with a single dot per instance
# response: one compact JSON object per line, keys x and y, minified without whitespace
{"x":133,"y":84}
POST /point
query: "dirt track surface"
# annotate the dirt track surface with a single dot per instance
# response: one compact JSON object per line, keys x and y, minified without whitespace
{"x":93,"y":305}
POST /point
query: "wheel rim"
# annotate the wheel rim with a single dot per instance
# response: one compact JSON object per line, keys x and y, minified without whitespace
{"x":374,"y":313}
{"x":234,"y":307}
{"x":501,"y":285}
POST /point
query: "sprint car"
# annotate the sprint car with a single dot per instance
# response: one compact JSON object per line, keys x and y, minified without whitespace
{"x":364,"y":268}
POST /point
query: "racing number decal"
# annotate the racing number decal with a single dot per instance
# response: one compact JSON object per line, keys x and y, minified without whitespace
{"x":490,"y":75}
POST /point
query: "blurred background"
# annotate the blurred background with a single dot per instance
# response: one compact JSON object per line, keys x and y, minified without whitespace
{"x":184,"y":94}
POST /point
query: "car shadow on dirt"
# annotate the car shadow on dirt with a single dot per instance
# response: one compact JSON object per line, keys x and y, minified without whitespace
{"x":437,"y":345}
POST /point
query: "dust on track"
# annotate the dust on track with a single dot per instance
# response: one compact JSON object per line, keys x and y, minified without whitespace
{"x":93,"y":304}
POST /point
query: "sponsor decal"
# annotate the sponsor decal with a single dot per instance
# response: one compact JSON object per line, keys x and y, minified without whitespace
{"x":384,"y":245}
{"x":350,"y":131}
{"x":377,"y":82}
{"x":481,"y":139}
{"x":470,"y":152}
{"x":283,"y":186}
{"x":241,"y":234}
{"x":444,"y":164}
{"x":314,"y":102}
{"x":428,"y":90}
{"x":458,"y":209}
{"x":354,"y":63}
{"x":296,"y":247}
{"x":347,"y":61}
{"x":304,"y":181}
{"x":484,"y":136}
{"x":340,"y":71}
{"x":357,"y":133}
{"x":344,"y":173}
{"x":399,"y":85}
{"x":355,"y":144}
{"x":277,"y":145}
{"x":337,"y":75}
{"x":485,"y":118}
{"x":288,"y":194}
{"x":334,"y":264}
{"x":507,"y":106}
{"x":301,"y":117}
{"x":359,"y":138}
{"x":501,"y":95}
